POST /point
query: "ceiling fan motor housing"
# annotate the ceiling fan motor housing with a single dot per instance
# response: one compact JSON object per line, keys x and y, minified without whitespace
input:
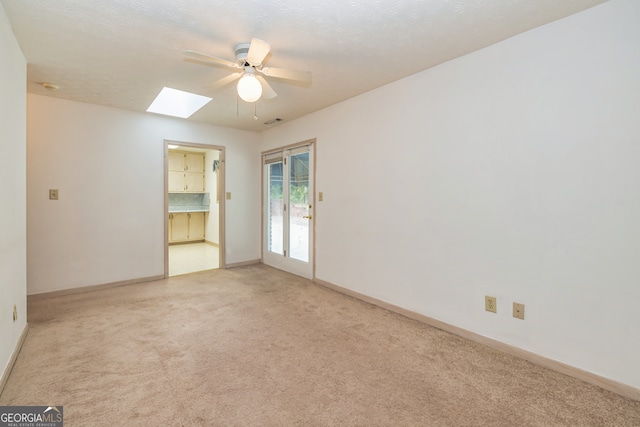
{"x":242,"y":50}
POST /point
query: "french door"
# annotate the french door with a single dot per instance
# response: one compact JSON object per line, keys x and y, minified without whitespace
{"x":288,"y":210}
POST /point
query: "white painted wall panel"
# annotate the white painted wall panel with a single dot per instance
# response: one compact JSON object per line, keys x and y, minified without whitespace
{"x":108,"y":165}
{"x":513,"y":172}
{"x":13,"y":182}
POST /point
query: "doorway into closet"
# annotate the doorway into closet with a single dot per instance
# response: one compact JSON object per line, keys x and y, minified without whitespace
{"x":194,"y":206}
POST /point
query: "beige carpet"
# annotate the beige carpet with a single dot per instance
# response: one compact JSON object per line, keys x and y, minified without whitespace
{"x":256,"y":346}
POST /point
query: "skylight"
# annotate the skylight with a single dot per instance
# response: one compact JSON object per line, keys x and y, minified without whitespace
{"x":177,"y":103}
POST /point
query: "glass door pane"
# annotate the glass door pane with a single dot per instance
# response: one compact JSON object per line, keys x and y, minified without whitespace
{"x":299,"y":206}
{"x":275,"y":205}
{"x":288,"y":198}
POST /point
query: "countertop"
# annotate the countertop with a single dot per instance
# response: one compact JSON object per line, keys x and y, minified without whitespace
{"x":185,"y":209}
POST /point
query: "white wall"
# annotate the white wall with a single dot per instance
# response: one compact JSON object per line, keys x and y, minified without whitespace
{"x":108,"y":165}
{"x":514,"y":172}
{"x":212,"y":232}
{"x":13,"y":237}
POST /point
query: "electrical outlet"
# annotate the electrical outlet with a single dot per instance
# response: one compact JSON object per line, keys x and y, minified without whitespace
{"x":490,"y":304}
{"x":518,"y":310}
{"x":15,"y":313}
{"x":53,"y":194}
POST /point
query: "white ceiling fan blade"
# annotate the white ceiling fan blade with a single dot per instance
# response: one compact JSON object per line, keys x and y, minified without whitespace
{"x":258,"y":50}
{"x":210,"y":59}
{"x":219,"y":84}
{"x":300,"y":76}
{"x":267,"y":90}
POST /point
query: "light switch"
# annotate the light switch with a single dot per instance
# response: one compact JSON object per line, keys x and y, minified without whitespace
{"x":228,"y":195}
{"x":53,"y":194}
{"x":320,"y":196}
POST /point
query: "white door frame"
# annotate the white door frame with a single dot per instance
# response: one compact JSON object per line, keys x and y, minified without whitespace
{"x":312,"y":210}
{"x":222,"y":259}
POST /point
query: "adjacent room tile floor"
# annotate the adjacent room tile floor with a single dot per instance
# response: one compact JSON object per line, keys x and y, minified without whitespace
{"x":191,"y":257}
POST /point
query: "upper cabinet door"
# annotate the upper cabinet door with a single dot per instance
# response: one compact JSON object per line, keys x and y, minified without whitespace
{"x":176,"y":182}
{"x":176,"y":161}
{"x":194,"y":163}
{"x":186,"y":172}
{"x":193,"y":182}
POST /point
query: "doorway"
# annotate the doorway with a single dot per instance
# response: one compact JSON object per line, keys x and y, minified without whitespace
{"x":288,"y":209}
{"x":194,"y":207}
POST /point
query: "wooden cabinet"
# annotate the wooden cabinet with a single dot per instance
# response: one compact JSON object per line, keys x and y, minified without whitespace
{"x":186,"y":227}
{"x":196,"y":226}
{"x":178,"y":227}
{"x":176,"y":182}
{"x":176,"y":161}
{"x":194,"y":163}
{"x":194,"y":172}
{"x":194,"y":182}
{"x":186,"y":172}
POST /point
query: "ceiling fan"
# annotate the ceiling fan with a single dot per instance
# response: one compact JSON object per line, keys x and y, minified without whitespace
{"x":249,"y":68}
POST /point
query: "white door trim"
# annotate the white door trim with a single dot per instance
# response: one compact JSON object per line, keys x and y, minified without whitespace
{"x":296,"y":267}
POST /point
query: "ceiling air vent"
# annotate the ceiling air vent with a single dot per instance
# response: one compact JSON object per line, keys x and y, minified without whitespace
{"x":272,"y":121}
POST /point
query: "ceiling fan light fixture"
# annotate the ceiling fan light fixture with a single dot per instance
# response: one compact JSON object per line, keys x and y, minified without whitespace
{"x":249,"y":71}
{"x":249,"y":88}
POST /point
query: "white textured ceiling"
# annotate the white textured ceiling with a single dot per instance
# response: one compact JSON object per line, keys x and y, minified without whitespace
{"x":121,"y":53}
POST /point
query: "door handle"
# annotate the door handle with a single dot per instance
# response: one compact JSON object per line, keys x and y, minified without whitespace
{"x":307,"y":216}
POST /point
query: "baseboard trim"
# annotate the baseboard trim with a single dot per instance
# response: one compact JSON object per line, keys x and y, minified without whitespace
{"x":208,"y":242}
{"x":14,"y":357}
{"x":586,"y":376}
{"x":242,"y":263}
{"x":91,"y":288}
{"x":186,"y":242}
